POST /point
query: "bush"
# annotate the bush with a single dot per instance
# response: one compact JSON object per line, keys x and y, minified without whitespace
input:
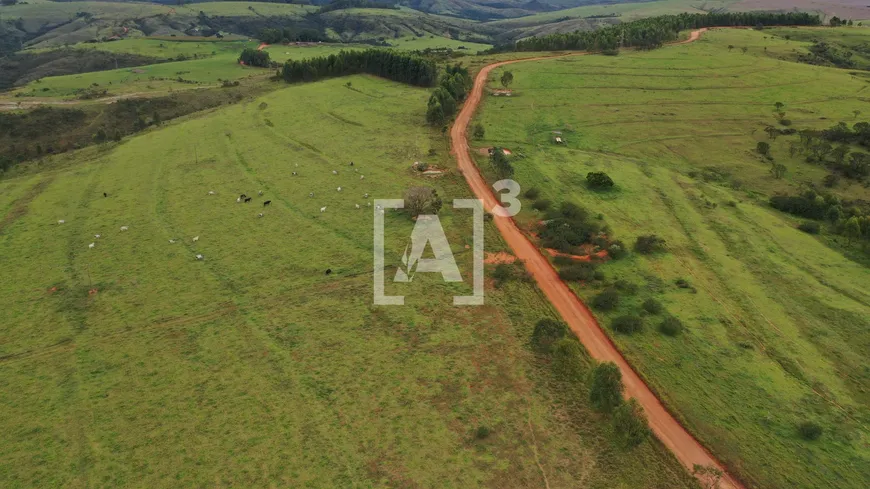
{"x":809,"y":227}
{"x":422,"y":200}
{"x":542,"y":204}
{"x":605,"y":390}
{"x":652,"y":306}
{"x":627,"y":324}
{"x":599,"y":275}
{"x":482,"y":432}
{"x":831,"y":180}
{"x":683,"y":283}
{"x":502,"y":273}
{"x":253,"y":57}
{"x":478,"y":131}
{"x":625,"y":286}
{"x":599,"y":180}
{"x":630,"y":423}
{"x":616,"y":250}
{"x":785,"y":122}
{"x":649,"y":244}
{"x":607,"y":300}
{"x":579,"y":271}
{"x":532,"y":193}
{"x":546,"y":333}
{"x":809,"y":430}
{"x":671,"y":326}
{"x":568,"y":360}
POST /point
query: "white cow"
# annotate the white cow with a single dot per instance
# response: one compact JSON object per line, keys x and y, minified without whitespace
{"x":124,"y":228}
{"x":60,"y":221}
{"x":195,"y":239}
{"x":171,"y":241}
{"x":356,"y":205}
{"x":260,"y":215}
{"x":199,"y":257}
{"x":339,"y":189}
{"x":211,"y":192}
{"x":334,"y":172}
{"x":98,"y":236}
{"x":323,"y":209}
{"x":91,"y":246}
{"x":362,"y":177}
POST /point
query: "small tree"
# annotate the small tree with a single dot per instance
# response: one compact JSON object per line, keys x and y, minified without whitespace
{"x":422,"y":200}
{"x":627,"y":324}
{"x":778,"y":106}
{"x":671,"y":326}
{"x":709,"y":476}
{"x":744,"y":49}
{"x":630,"y":424}
{"x":649,"y":244}
{"x":507,"y":78}
{"x":599,"y":180}
{"x":852,"y":229}
{"x":606,"y":300}
{"x":478,"y":131}
{"x":500,"y":163}
{"x":546,"y":333}
{"x":810,"y":431}
{"x":763,"y":148}
{"x":778,"y":170}
{"x":605,"y":391}
{"x":772,"y":132}
{"x":652,"y":306}
{"x":254,"y":57}
{"x":568,"y":359}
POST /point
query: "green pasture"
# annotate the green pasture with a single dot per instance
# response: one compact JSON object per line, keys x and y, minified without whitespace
{"x":164,"y":49}
{"x":134,"y":364}
{"x":777,"y":329}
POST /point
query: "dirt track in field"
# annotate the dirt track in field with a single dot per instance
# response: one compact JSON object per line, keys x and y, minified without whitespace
{"x":684,"y":446}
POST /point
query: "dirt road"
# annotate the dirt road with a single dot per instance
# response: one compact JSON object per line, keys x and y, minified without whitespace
{"x":684,"y":446}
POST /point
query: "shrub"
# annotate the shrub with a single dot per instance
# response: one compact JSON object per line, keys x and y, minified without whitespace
{"x":571,"y":210}
{"x":652,"y":306}
{"x":532,"y":193}
{"x":671,"y":326}
{"x":627,"y":324}
{"x":502,"y":273}
{"x":630,"y":423}
{"x":479,"y":131}
{"x":482,"y":432}
{"x":568,"y":360}
{"x":810,"y":431}
{"x":422,"y":200}
{"x":648,"y":244}
{"x":831,"y":180}
{"x":683,"y":283}
{"x":625,"y":286}
{"x":616,"y":250}
{"x":605,"y":390}
{"x":577,"y":271}
{"x":546,"y":333}
{"x":809,"y":227}
{"x":599,"y":180}
{"x":785,"y":122}
{"x":599,"y":275}
{"x":542,"y":204}
{"x":607,"y":300}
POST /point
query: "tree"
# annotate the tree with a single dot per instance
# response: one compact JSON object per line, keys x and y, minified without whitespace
{"x":652,"y":306}
{"x":435,"y":113}
{"x":627,"y":324}
{"x":599,"y":180}
{"x":810,"y":431}
{"x":8,"y":2}
{"x":649,"y":244}
{"x":778,"y":106}
{"x":607,"y":300}
{"x":422,"y":200}
{"x":708,"y":475}
{"x":744,"y":49}
{"x":730,"y":47}
{"x":834,"y":214}
{"x":630,"y":424}
{"x":546,"y":333}
{"x":778,"y":170}
{"x":478,"y":131}
{"x":852,"y":229}
{"x":568,"y":359}
{"x":857,"y":113}
{"x":605,"y":391}
{"x":763,"y":148}
{"x":671,"y":326}
{"x":500,"y":163}
{"x":253,"y":57}
{"x":772,"y":132}
{"x":507,"y":78}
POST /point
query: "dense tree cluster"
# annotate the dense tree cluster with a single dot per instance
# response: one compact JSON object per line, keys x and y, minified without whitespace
{"x":392,"y":65}
{"x":254,"y":57}
{"x":818,"y":148}
{"x":346,"y":4}
{"x":452,"y":88}
{"x":846,"y":218}
{"x":655,"y":31}
{"x":271,"y":35}
{"x":500,"y":163}
{"x":569,"y":227}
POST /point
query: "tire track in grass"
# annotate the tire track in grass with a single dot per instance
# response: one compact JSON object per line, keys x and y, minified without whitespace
{"x":670,"y":432}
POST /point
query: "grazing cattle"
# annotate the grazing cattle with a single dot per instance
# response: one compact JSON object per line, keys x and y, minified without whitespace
{"x":91,"y":246}
{"x":267,"y":203}
{"x":362,"y":177}
{"x":369,"y":204}
{"x":334,"y":172}
{"x":339,"y":189}
{"x":60,"y":221}
{"x":260,"y":215}
{"x":311,"y":194}
{"x":378,"y":207}
{"x":105,"y":194}
{"x":248,"y":199}
{"x":195,"y":239}
{"x":199,"y":257}
{"x":124,"y":228}
{"x":260,"y":193}
{"x":351,"y":163}
{"x":238,"y":200}
{"x":366,"y":195}
{"x":328,"y":271}
{"x":97,"y":236}
{"x":243,"y":196}
{"x":294,"y":174}
{"x":323,"y":209}
{"x":171,"y":241}
{"x":356,"y":205}
{"x":211,"y":192}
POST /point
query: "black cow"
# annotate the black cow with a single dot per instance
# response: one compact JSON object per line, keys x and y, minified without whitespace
{"x":328,"y":271}
{"x":105,"y":194}
{"x":267,"y":203}
{"x":247,"y":200}
{"x":243,"y":196}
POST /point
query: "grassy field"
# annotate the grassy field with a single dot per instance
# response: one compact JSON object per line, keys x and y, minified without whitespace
{"x":252,"y":368}
{"x":776,"y":320}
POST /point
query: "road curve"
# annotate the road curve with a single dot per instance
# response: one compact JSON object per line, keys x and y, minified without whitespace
{"x":581,"y":321}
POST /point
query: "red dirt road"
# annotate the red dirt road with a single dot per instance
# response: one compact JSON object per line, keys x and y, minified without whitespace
{"x":581,"y":321}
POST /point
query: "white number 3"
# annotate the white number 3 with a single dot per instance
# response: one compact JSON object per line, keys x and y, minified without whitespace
{"x":509,"y":198}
